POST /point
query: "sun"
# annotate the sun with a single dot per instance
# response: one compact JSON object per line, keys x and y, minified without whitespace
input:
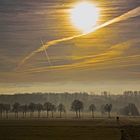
{"x":84,"y":16}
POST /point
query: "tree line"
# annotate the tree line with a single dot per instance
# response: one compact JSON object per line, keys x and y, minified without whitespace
{"x":66,"y":98}
{"x":120,"y":102}
{"x":77,"y":106}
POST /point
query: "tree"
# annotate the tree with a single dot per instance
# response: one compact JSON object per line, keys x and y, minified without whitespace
{"x":53,"y":108}
{"x":47,"y":107}
{"x":7,"y":108}
{"x":39,"y":108}
{"x":92,"y":108}
{"x":31,"y":109}
{"x":108,"y":108}
{"x":24,"y":109}
{"x":133,"y":109}
{"x":16,"y":108}
{"x":1,"y":109}
{"x":61,"y":108}
{"x":130,"y":109}
{"x":77,"y":106}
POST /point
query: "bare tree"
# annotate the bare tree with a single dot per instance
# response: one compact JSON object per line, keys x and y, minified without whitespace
{"x":53,"y":108}
{"x":24,"y":109}
{"x":39,"y":108}
{"x":47,"y":107}
{"x":1,"y":110}
{"x":108,"y":108}
{"x":7,"y":108}
{"x":133,"y":109}
{"x":61,"y":108}
{"x":31,"y":109}
{"x":130,"y":109}
{"x":77,"y":106}
{"x":92,"y":108}
{"x":16,"y":109}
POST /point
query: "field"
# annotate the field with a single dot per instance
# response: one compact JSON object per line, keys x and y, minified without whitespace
{"x":69,"y":129}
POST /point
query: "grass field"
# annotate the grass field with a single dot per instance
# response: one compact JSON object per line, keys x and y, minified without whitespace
{"x":60,"y":129}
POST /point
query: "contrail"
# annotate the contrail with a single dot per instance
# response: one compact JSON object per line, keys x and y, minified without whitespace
{"x":111,"y":55}
{"x":46,"y":53}
{"x":132,"y":13}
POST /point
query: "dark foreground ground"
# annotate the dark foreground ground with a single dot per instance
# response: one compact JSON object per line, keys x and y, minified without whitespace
{"x":97,"y":129}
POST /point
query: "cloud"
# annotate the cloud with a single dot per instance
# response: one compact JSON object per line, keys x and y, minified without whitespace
{"x":130,"y":14}
{"x":113,"y":54}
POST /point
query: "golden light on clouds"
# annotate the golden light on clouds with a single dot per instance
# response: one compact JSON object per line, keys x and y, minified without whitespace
{"x":86,"y":40}
{"x":84,"y":16}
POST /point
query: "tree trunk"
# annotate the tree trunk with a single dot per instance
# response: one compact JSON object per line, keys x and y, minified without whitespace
{"x":38,"y":114}
{"x":30,"y":114}
{"x":33,"y":114}
{"x":52,"y":114}
{"x":47,"y":113}
{"x":17,"y":115}
{"x":79,"y":114}
{"x":1,"y":114}
{"x":76,"y":114}
{"x":92,"y":114}
{"x":109,"y":114}
{"x":22,"y":114}
{"x":6,"y":114}
{"x":60,"y":114}
{"x":25,"y":114}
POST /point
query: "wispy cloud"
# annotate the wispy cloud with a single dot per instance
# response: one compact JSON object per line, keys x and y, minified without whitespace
{"x":74,"y":58}
{"x":112,"y":54}
{"x":132,"y":13}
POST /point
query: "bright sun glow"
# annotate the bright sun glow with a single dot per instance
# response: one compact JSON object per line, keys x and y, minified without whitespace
{"x":84,"y":16}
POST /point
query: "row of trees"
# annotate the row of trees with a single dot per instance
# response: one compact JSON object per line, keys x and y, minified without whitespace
{"x":31,"y":108}
{"x":77,"y":106}
{"x":118,"y":101}
{"x":130,"y":109}
{"x":131,"y":93}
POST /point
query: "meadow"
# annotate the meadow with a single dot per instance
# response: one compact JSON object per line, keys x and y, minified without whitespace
{"x":69,"y":129}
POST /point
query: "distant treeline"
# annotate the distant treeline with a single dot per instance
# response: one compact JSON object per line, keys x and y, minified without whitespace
{"x":118,"y":101}
{"x":126,"y":104}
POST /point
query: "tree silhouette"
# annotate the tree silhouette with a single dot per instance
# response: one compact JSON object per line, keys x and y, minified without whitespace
{"x":24,"y":109}
{"x":16,"y":109}
{"x":108,"y":108}
{"x":77,"y":106}
{"x":1,"y":109}
{"x":61,"y":108}
{"x":130,"y":109}
{"x":92,"y":108}
{"x":53,"y":108}
{"x":47,"y":107}
{"x":133,"y":109}
{"x":7,"y":108}
{"x":39,"y":108}
{"x":31,"y":109}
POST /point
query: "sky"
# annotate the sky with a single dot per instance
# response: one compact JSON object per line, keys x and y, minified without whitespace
{"x":106,"y":59}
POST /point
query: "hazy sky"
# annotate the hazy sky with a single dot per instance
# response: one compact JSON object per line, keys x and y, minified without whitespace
{"x":108,"y":58}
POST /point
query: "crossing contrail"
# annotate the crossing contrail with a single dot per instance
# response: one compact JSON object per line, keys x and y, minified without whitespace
{"x":47,"y":56}
{"x":112,"y":54}
{"x":130,"y":14}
